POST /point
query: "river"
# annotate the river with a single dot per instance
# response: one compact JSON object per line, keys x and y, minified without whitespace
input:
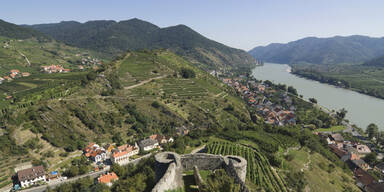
{"x":362,"y":109}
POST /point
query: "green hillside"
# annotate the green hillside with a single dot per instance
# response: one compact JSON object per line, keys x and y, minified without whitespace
{"x":377,"y":62}
{"x":17,"y":32}
{"x":122,"y":102}
{"x":117,"y":37}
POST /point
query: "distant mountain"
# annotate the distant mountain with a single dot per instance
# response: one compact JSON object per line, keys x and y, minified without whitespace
{"x":377,"y":62}
{"x":351,"y":49}
{"x":117,"y":37}
{"x":18,"y":32}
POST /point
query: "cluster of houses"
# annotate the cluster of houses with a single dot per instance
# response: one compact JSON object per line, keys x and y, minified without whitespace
{"x":352,"y":153}
{"x":257,"y":94}
{"x":13,"y":74}
{"x":35,"y":175}
{"x":123,"y":154}
{"x":120,"y":155}
{"x":90,"y":61}
{"x":54,"y":69}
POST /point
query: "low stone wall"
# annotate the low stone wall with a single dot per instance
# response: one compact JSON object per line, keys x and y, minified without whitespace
{"x":196,"y":173}
{"x":170,"y":166}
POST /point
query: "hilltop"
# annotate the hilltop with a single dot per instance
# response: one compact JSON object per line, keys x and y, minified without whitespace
{"x":18,"y":32}
{"x":117,"y":37}
{"x":334,"y":50}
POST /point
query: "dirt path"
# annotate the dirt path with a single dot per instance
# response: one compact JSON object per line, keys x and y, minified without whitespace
{"x":198,"y":149}
{"x":144,"y":82}
{"x":25,"y":57}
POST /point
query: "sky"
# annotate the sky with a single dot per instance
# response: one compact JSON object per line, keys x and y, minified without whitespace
{"x":241,"y":24}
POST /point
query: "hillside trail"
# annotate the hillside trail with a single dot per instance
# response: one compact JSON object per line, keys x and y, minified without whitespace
{"x":25,"y":57}
{"x":144,"y":82}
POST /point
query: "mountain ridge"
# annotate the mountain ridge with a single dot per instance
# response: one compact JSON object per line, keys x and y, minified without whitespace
{"x":135,"y":34}
{"x":354,"y":49}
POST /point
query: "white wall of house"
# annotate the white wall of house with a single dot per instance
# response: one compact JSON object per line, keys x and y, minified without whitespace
{"x":27,"y":183}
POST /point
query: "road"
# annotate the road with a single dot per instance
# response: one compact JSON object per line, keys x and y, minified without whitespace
{"x":92,"y":174}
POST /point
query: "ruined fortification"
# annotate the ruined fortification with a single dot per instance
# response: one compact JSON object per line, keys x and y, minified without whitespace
{"x":170,"y":166}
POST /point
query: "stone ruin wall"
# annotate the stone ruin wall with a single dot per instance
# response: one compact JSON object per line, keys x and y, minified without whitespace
{"x":170,"y":166}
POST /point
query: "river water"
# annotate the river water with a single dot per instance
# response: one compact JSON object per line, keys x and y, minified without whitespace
{"x":362,"y":109}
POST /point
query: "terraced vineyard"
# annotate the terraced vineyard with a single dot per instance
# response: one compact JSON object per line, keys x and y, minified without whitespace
{"x":7,"y":169}
{"x":259,"y":170}
{"x":182,"y":88}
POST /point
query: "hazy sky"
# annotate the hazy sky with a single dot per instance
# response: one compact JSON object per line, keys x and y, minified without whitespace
{"x":238,"y":23}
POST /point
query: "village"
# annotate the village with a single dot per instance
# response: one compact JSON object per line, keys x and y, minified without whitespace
{"x":101,"y":158}
{"x":368,"y":175}
{"x":258,"y":95}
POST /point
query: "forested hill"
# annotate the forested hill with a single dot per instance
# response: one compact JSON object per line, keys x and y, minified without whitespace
{"x":117,"y":37}
{"x":18,"y":32}
{"x":377,"y":62}
{"x":335,"y":50}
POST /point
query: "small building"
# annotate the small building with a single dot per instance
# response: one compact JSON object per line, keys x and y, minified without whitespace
{"x":161,"y":138}
{"x":25,"y":74}
{"x":148,"y":144}
{"x":123,"y":153}
{"x":337,"y":138}
{"x":108,"y":178}
{"x":31,"y":176}
{"x":363,"y":149}
{"x":95,"y":152}
{"x":361,"y":164}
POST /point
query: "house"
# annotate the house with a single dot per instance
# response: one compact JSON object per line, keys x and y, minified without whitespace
{"x":363,"y":178}
{"x":54,"y":69}
{"x":362,"y":149}
{"x":182,"y":131}
{"x":380,"y":167}
{"x":337,"y":138}
{"x":161,"y":138}
{"x":122,"y":154}
{"x":7,"y":78}
{"x":15,"y":71}
{"x":31,"y":176}
{"x":109,"y":148}
{"x":108,"y":178}
{"x":361,"y":164}
{"x":95,"y":152}
{"x":374,"y":187}
{"x":25,"y":74}
{"x":148,"y":144}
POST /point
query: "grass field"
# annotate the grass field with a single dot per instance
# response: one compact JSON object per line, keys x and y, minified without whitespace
{"x":318,"y":171}
{"x":332,"y":129}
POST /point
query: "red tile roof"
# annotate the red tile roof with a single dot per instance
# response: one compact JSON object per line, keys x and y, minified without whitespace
{"x":108,"y":178}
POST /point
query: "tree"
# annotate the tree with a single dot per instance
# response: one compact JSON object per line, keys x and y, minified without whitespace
{"x":371,"y":158}
{"x":117,"y":139}
{"x":187,"y":73}
{"x":313,"y":100}
{"x":340,"y":115}
{"x":372,"y":130}
{"x":292,"y":90}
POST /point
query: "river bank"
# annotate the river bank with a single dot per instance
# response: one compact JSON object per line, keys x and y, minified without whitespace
{"x":362,"y":109}
{"x":338,"y":82}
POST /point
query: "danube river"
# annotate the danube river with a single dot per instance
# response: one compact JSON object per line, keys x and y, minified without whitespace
{"x":362,"y":109}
